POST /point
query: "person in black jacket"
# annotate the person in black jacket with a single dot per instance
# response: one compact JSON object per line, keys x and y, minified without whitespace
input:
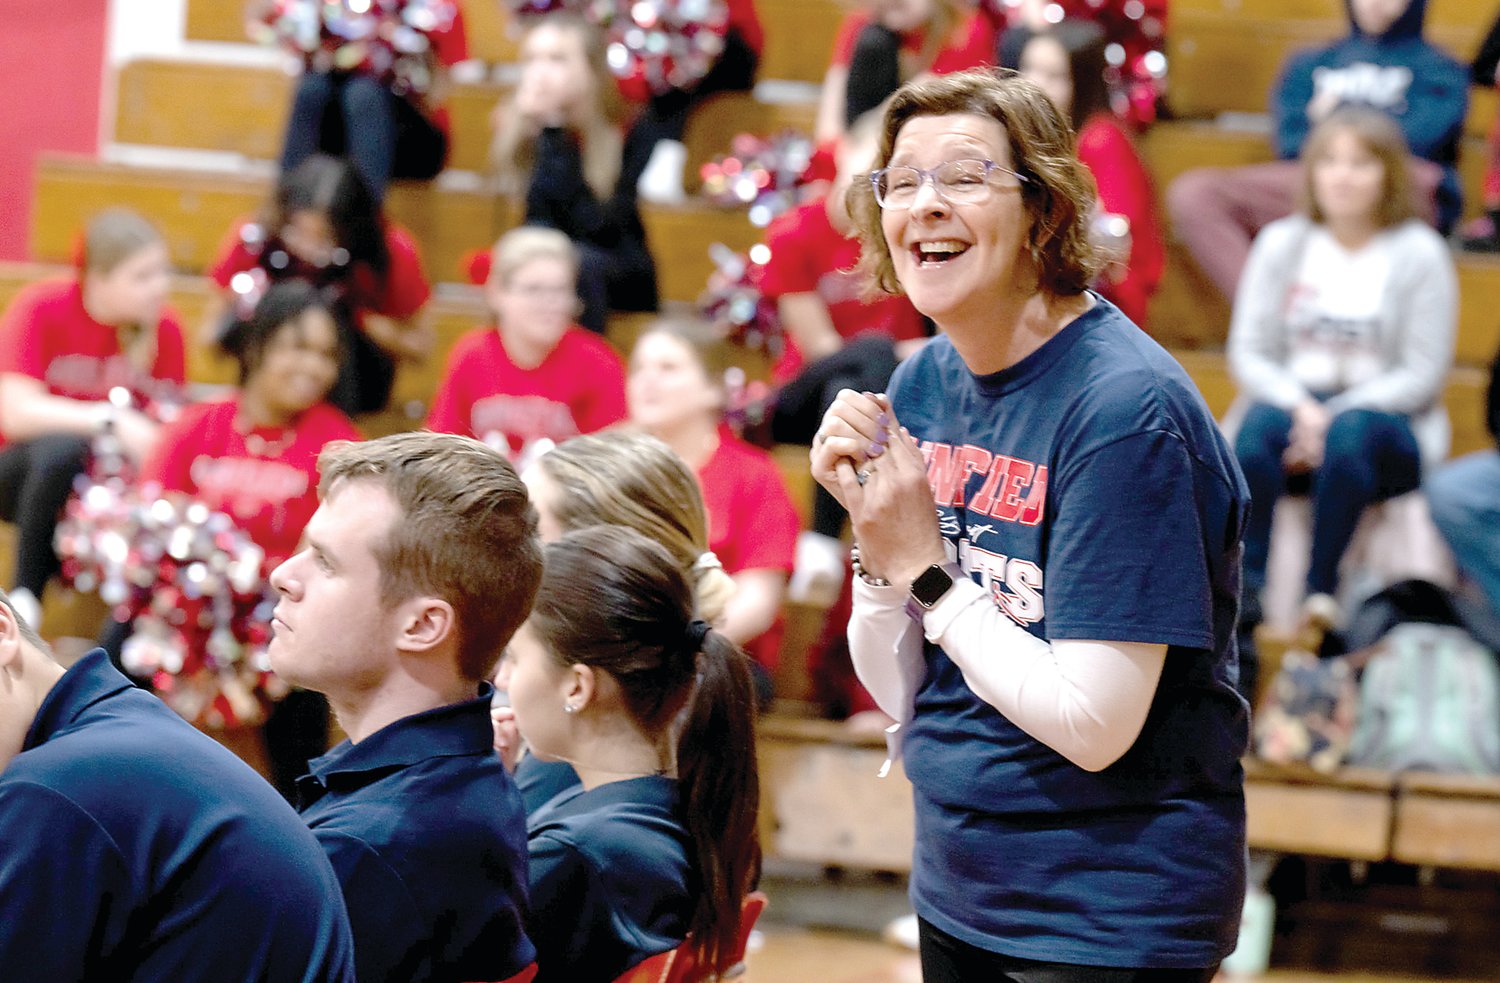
{"x":1465,"y":500}
{"x":559,"y":141}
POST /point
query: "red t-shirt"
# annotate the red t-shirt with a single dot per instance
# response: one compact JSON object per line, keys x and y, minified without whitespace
{"x":399,"y":295}
{"x":47,"y":334}
{"x":744,"y":19}
{"x":270,"y":495}
{"x":971,"y":43}
{"x":449,"y":46}
{"x":578,"y":388}
{"x":752,"y":523}
{"x":1125,"y":189}
{"x":809,"y":256}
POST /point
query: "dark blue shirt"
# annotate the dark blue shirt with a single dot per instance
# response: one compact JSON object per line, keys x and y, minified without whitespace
{"x":133,"y":847}
{"x":1088,"y":489}
{"x":427,"y":835}
{"x":611,"y":882}
{"x":540,"y":781}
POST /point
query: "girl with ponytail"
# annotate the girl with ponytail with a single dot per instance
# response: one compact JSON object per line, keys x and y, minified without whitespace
{"x":658,"y":842}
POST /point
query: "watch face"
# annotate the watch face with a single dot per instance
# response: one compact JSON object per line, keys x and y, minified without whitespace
{"x":930,"y":587}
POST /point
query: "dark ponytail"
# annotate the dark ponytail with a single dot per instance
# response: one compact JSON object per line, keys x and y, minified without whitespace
{"x":721,"y":795}
{"x":616,"y":601}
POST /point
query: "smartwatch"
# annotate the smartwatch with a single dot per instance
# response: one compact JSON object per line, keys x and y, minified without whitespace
{"x":931,"y":586}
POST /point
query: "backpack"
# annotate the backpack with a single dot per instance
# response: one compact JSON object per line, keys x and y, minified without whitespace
{"x":1308,"y":715}
{"x":1429,"y":700}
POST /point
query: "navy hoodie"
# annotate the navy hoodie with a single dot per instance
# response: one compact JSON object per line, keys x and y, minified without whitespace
{"x":1421,"y":86}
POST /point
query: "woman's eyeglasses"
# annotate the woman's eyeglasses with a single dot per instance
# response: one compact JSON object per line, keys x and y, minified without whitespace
{"x":957,"y":182}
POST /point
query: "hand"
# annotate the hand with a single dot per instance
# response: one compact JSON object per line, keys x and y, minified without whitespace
{"x":890,"y":505}
{"x":507,"y":736}
{"x":538,"y":102}
{"x":137,"y":433}
{"x":852,"y":427}
{"x":410,"y":341}
{"x":1309,"y":433}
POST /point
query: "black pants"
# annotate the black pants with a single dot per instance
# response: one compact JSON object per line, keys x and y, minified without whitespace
{"x":622,"y":278}
{"x":35,"y":479}
{"x":352,"y":115}
{"x":874,"y":71}
{"x":864,"y":365}
{"x":948,"y":960}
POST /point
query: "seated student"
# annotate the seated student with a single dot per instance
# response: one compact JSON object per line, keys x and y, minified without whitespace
{"x":1465,"y":499}
{"x":415,"y":570}
{"x":534,"y":378}
{"x":253,"y":456}
{"x":1067,"y":60}
{"x":559,"y":142}
{"x":655,"y":711}
{"x":616,"y":478}
{"x":390,"y":121}
{"x":837,"y":338}
{"x":323,"y":226}
{"x":890,"y":42}
{"x":1341,"y":340}
{"x":64,"y":345}
{"x":134,"y":848}
{"x":675,"y":392}
{"x":1383,"y":63}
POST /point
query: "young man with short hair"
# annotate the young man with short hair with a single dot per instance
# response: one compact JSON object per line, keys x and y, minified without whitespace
{"x":420,"y":563}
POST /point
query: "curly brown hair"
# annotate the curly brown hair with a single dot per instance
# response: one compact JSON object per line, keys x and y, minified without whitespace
{"x":1058,"y":192}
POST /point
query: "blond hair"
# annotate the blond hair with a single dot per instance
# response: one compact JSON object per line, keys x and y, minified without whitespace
{"x":623,"y":478}
{"x":113,"y":236}
{"x":467,"y":532}
{"x":525,"y":243}
{"x":1058,"y":191}
{"x":513,"y":151}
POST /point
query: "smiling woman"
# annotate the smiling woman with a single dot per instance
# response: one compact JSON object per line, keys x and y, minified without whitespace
{"x":1032,"y":478}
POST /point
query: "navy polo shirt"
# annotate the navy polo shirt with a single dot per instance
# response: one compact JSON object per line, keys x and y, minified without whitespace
{"x":133,"y":847}
{"x":427,"y":835}
{"x":541,"y":781}
{"x":611,"y":882}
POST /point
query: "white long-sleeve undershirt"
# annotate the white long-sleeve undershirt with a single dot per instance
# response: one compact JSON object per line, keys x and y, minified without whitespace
{"x":1087,"y":700}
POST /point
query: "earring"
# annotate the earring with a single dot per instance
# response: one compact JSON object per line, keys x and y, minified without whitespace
{"x":569,"y":708}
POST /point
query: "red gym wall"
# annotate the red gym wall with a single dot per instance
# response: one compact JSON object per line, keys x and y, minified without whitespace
{"x":51,"y":72}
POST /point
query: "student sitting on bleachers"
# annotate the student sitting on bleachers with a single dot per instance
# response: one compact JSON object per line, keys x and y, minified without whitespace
{"x":616,"y":478}
{"x":836,"y":338}
{"x":1341,"y":340}
{"x":1068,"y":62}
{"x":1383,"y":63}
{"x":65,"y":346}
{"x":675,"y":392}
{"x":386,"y":115}
{"x":613,"y":673}
{"x":254,"y":457}
{"x":559,"y":142}
{"x":533,"y":378}
{"x":323,"y":226}
{"x":1465,"y":499}
{"x":891,"y":41}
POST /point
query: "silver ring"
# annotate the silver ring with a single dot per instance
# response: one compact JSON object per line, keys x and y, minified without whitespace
{"x":862,"y":476}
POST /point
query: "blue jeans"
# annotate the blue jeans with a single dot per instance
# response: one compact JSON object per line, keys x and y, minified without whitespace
{"x":1368,"y":458}
{"x":1465,"y":500}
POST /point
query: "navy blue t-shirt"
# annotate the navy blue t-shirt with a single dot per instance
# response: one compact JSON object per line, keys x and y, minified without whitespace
{"x":540,"y":781}
{"x":611,"y":882}
{"x":133,"y":847}
{"x":427,"y":836}
{"x":1088,"y":489}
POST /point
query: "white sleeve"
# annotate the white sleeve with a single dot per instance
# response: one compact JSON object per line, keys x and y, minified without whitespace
{"x":885,"y":646}
{"x":1087,"y":700}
